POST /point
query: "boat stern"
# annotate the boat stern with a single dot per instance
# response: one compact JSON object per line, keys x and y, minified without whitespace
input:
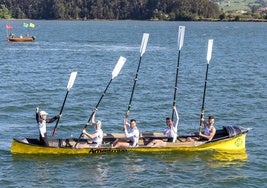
{"x":236,"y":140}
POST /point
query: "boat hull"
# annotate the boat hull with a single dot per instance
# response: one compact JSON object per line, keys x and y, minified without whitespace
{"x":236,"y":143}
{"x":18,"y":39}
{"x":24,"y":148}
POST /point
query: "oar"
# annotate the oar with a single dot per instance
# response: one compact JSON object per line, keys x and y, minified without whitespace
{"x":115,"y":73}
{"x":69,"y":86}
{"x":209,"y":52}
{"x":180,"y":45}
{"x":142,"y":51}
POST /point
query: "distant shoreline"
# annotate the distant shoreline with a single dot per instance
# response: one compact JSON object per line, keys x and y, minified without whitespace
{"x":199,"y":20}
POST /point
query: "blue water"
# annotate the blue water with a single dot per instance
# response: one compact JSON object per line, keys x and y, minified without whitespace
{"x":36,"y":74}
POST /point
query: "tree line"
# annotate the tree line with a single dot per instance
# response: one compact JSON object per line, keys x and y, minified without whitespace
{"x":172,"y":10}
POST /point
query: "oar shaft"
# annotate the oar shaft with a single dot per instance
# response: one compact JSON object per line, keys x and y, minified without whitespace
{"x":142,"y":51}
{"x":134,"y":84}
{"x":181,"y":32}
{"x":115,"y":73}
{"x":176,"y":83}
{"x":90,"y":117}
{"x":103,"y":94}
{"x":69,"y":86}
{"x":205,"y":86}
{"x":209,"y":53}
{"x":61,"y":110}
{"x":204,"y":96}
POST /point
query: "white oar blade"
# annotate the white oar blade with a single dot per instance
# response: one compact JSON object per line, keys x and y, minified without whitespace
{"x":209,"y":52}
{"x":181,"y":36}
{"x":118,"y":66}
{"x":144,"y":43}
{"x":71,"y":80}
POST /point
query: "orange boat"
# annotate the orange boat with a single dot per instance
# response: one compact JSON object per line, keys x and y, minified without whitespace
{"x":21,"y":39}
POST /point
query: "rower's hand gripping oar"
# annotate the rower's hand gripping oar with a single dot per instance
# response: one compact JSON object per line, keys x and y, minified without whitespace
{"x":142,"y":51}
{"x":209,"y":52}
{"x":69,"y":86}
{"x":115,"y":73}
{"x":180,"y":45}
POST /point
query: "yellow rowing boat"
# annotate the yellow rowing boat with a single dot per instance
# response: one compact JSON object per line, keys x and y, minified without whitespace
{"x":228,"y":139}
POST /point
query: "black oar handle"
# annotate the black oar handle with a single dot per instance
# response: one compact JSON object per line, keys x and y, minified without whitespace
{"x":61,"y":110}
{"x":204,"y":96}
{"x":134,"y":85}
{"x":176,"y":83}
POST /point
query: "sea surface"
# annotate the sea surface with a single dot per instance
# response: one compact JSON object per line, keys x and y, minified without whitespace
{"x":36,"y":74}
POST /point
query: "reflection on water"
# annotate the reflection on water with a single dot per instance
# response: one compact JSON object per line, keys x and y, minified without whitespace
{"x":213,"y":159}
{"x":137,"y":168}
{"x":100,"y":167}
{"x":222,"y":159}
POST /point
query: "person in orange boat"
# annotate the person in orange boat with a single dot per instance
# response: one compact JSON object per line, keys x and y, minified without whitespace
{"x":41,"y":118}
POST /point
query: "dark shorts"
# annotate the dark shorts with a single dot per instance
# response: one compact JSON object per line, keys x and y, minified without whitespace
{"x":131,"y":143}
{"x":169,"y":139}
{"x":44,"y":140}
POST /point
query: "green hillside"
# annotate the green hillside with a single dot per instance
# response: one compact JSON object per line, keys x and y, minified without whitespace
{"x":232,"y":5}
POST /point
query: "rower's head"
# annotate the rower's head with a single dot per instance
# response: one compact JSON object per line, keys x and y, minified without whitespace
{"x":43,"y":114}
{"x":168,"y":121}
{"x":211,"y":120}
{"x":98,"y":124}
{"x":132,"y":123}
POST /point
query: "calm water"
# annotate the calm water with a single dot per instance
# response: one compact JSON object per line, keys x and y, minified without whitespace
{"x":36,"y":74}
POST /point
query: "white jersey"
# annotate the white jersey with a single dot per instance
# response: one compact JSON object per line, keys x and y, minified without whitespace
{"x":42,"y":127}
{"x":172,"y":132}
{"x":99,"y":138}
{"x":133,"y":135}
